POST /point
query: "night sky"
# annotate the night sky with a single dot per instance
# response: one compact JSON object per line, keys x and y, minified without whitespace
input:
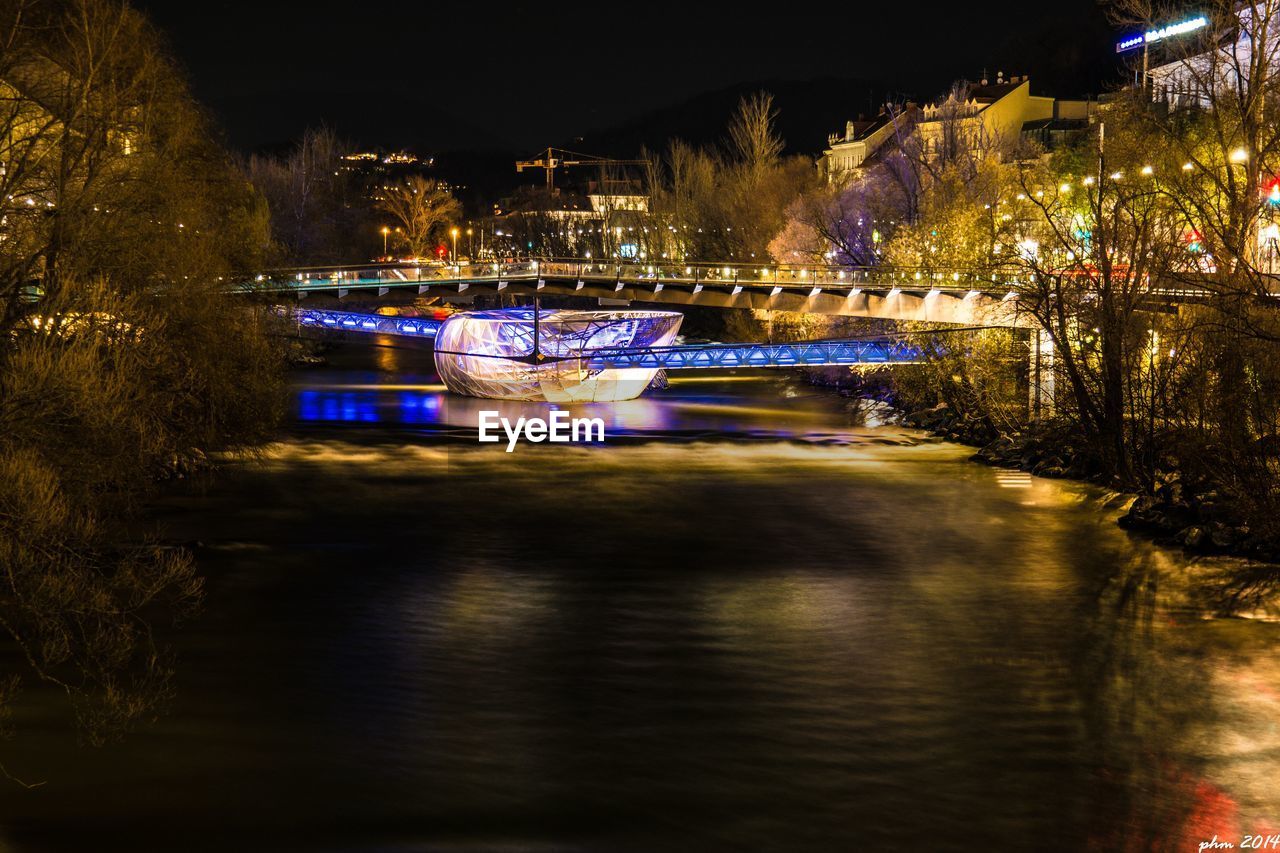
{"x":470,"y":75}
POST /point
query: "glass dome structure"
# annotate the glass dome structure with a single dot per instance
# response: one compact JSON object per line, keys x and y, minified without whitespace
{"x":491,"y":353}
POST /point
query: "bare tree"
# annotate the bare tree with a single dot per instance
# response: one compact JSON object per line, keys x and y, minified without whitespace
{"x":1210,"y":115}
{"x":1216,"y":123}
{"x":422,"y":207}
{"x":753,"y":138}
{"x":320,"y":209}
{"x":1091,"y":244}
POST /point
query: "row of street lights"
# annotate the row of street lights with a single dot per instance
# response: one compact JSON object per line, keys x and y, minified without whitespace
{"x":453,"y":232}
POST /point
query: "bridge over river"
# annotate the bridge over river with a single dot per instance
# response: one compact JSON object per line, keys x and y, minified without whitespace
{"x":955,"y":298}
{"x":888,"y":349}
{"x":958,"y":298}
{"x":950,"y":297}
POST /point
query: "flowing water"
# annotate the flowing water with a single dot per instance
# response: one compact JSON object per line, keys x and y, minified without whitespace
{"x":743,"y":623}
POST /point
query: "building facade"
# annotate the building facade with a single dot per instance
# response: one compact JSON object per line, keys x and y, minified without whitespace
{"x":990,"y":116}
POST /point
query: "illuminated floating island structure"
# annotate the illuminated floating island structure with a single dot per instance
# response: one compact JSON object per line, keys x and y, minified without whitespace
{"x":490,"y":354}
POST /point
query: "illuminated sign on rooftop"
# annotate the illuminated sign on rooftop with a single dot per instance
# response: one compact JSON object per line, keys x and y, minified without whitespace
{"x":1161,"y":34}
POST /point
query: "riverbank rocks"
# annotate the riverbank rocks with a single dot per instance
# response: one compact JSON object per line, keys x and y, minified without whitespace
{"x":305,"y":353}
{"x":1201,"y":522}
{"x":307,"y":360}
{"x":945,"y":422}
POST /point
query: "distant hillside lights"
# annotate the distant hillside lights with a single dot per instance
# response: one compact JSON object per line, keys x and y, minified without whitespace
{"x":397,"y":158}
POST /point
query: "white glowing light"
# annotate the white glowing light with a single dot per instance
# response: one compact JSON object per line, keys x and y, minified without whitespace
{"x":488,"y":353}
{"x":1180,"y":28}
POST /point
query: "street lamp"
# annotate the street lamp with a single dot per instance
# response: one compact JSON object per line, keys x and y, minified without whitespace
{"x":471,"y":246}
{"x":454,"y":233}
{"x":386,"y":232}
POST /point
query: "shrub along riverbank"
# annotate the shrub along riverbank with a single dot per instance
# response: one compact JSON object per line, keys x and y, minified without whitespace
{"x":122,"y":359}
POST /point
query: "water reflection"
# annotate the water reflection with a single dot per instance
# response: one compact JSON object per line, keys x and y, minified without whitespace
{"x":338,"y":406}
{"x":1185,"y":749}
{"x":417,"y":407}
{"x":1241,"y":589}
{"x":707,"y":407}
{"x":1076,"y":664}
{"x":693,"y":645}
{"x":397,"y":386}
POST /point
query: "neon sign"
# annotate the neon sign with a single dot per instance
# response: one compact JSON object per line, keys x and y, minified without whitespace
{"x":1161,"y":34}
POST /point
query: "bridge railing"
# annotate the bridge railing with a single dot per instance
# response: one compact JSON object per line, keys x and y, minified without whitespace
{"x":642,"y":273}
{"x":853,"y":351}
{"x":884,"y":349}
{"x":739,"y":276}
{"x":392,"y":275}
{"x":791,"y":276}
{"x":346,"y":321}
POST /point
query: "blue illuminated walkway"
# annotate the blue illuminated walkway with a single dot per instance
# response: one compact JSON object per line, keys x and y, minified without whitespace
{"x":349,"y":321}
{"x":692,"y":357}
{"x":796,"y":354}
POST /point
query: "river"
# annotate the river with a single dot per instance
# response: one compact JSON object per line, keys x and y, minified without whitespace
{"x":744,"y":623}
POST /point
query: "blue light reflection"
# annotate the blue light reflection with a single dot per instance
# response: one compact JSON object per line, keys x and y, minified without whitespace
{"x":369,"y":407}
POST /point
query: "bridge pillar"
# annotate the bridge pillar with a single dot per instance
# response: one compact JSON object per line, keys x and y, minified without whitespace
{"x":1042,"y":375}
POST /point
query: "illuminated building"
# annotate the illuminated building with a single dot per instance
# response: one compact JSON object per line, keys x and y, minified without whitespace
{"x":1198,"y":64}
{"x":986,"y":115}
{"x":491,"y":354}
{"x":996,"y":116}
{"x":1204,"y":60}
{"x":848,"y":153}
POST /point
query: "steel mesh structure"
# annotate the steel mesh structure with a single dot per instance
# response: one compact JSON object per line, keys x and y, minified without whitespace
{"x":796,"y":354}
{"x":598,"y":356}
{"x":492,"y":354}
{"x":348,"y":321}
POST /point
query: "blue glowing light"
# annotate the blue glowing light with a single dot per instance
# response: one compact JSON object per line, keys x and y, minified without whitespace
{"x":337,"y":407}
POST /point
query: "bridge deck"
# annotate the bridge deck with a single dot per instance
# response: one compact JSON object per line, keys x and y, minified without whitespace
{"x":734,"y":277}
{"x":731,"y":276}
{"x":691,"y":357}
{"x":957,"y":298}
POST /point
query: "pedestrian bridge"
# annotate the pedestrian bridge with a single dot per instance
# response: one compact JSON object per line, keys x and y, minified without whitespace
{"x":854,"y":351}
{"x":966,"y":299}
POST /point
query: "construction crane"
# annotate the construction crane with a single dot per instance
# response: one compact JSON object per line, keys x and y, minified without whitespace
{"x":555,"y":158}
